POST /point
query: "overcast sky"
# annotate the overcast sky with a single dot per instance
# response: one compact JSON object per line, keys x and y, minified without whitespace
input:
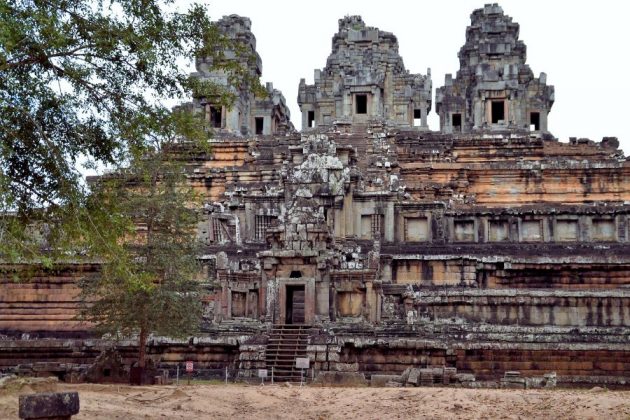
{"x":581,"y":45}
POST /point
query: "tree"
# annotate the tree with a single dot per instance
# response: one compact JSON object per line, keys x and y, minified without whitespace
{"x":148,"y":283}
{"x":89,"y":79}
{"x":83,"y":80}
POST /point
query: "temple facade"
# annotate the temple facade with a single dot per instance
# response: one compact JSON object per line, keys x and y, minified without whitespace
{"x":487,"y":247}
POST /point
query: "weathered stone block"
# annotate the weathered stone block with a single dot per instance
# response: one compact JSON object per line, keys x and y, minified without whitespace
{"x":414,"y":376}
{"x":393,"y":384}
{"x":341,"y":379}
{"x":465,"y":377}
{"x":316,"y":348}
{"x":382,"y":380}
{"x":49,"y":405}
{"x":347,"y":367}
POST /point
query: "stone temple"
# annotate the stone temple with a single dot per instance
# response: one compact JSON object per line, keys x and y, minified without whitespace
{"x":485,"y":251}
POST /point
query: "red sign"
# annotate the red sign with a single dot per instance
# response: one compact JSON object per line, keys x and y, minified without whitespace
{"x":189,"y":366}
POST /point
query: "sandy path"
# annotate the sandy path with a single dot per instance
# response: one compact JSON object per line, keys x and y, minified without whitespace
{"x":281,"y":402}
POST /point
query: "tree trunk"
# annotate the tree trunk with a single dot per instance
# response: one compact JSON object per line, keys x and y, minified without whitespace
{"x":142,"y":344}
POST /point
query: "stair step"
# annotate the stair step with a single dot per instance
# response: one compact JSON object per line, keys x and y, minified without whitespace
{"x":283,"y":357}
{"x":282,"y":347}
{"x":286,"y":354}
{"x":285,"y":344}
{"x":285,"y":348}
{"x":304,"y":339}
{"x":292,"y":338}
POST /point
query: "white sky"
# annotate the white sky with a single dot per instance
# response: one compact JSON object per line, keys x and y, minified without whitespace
{"x":581,"y":45}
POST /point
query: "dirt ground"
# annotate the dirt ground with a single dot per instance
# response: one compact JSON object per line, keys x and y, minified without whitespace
{"x":294,"y":402}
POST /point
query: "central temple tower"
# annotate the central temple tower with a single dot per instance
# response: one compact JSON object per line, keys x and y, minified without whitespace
{"x":365,"y":80}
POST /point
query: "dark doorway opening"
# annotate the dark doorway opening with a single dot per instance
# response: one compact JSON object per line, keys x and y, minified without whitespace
{"x":311,"y":119}
{"x":216,"y":119}
{"x":260,"y":123}
{"x":295,"y":305}
{"x":417,"y":117}
{"x":534,"y":121}
{"x":361,"y":104}
{"x":498,"y":112}
{"x":456,"y":121}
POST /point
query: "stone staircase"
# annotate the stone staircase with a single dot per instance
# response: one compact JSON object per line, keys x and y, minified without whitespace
{"x":286,"y":343}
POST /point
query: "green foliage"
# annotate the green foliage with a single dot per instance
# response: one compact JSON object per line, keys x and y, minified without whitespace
{"x":148,"y":282}
{"x":85,"y":81}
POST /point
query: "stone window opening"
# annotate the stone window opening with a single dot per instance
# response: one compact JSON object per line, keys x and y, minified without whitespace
{"x":212,"y":269}
{"x":464,"y":230}
{"x":361,"y":104}
{"x":295,"y":274}
{"x":566,"y":230}
{"x":534,"y":121}
{"x":417,"y":117}
{"x":531,"y":230}
{"x":311,"y":119}
{"x":216,"y":117}
{"x":217,"y":232}
{"x":239,"y":304}
{"x":498,"y":112}
{"x":371,"y":226}
{"x":416,"y":229}
{"x":377,"y":226}
{"x":603,"y":230}
{"x":498,"y":231}
{"x":260,"y":124}
{"x":261,"y":225}
{"x":350,"y":303}
{"x":366,"y":227}
{"x":456,"y":121}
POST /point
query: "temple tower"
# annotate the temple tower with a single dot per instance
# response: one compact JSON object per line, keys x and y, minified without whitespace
{"x":251,"y":114}
{"x":494,"y":89}
{"x":365,"y":79}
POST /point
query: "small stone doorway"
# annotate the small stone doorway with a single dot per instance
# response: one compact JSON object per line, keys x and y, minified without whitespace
{"x":295,"y":304}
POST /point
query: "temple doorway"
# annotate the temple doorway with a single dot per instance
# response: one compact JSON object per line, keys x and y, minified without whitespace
{"x":295,"y":304}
